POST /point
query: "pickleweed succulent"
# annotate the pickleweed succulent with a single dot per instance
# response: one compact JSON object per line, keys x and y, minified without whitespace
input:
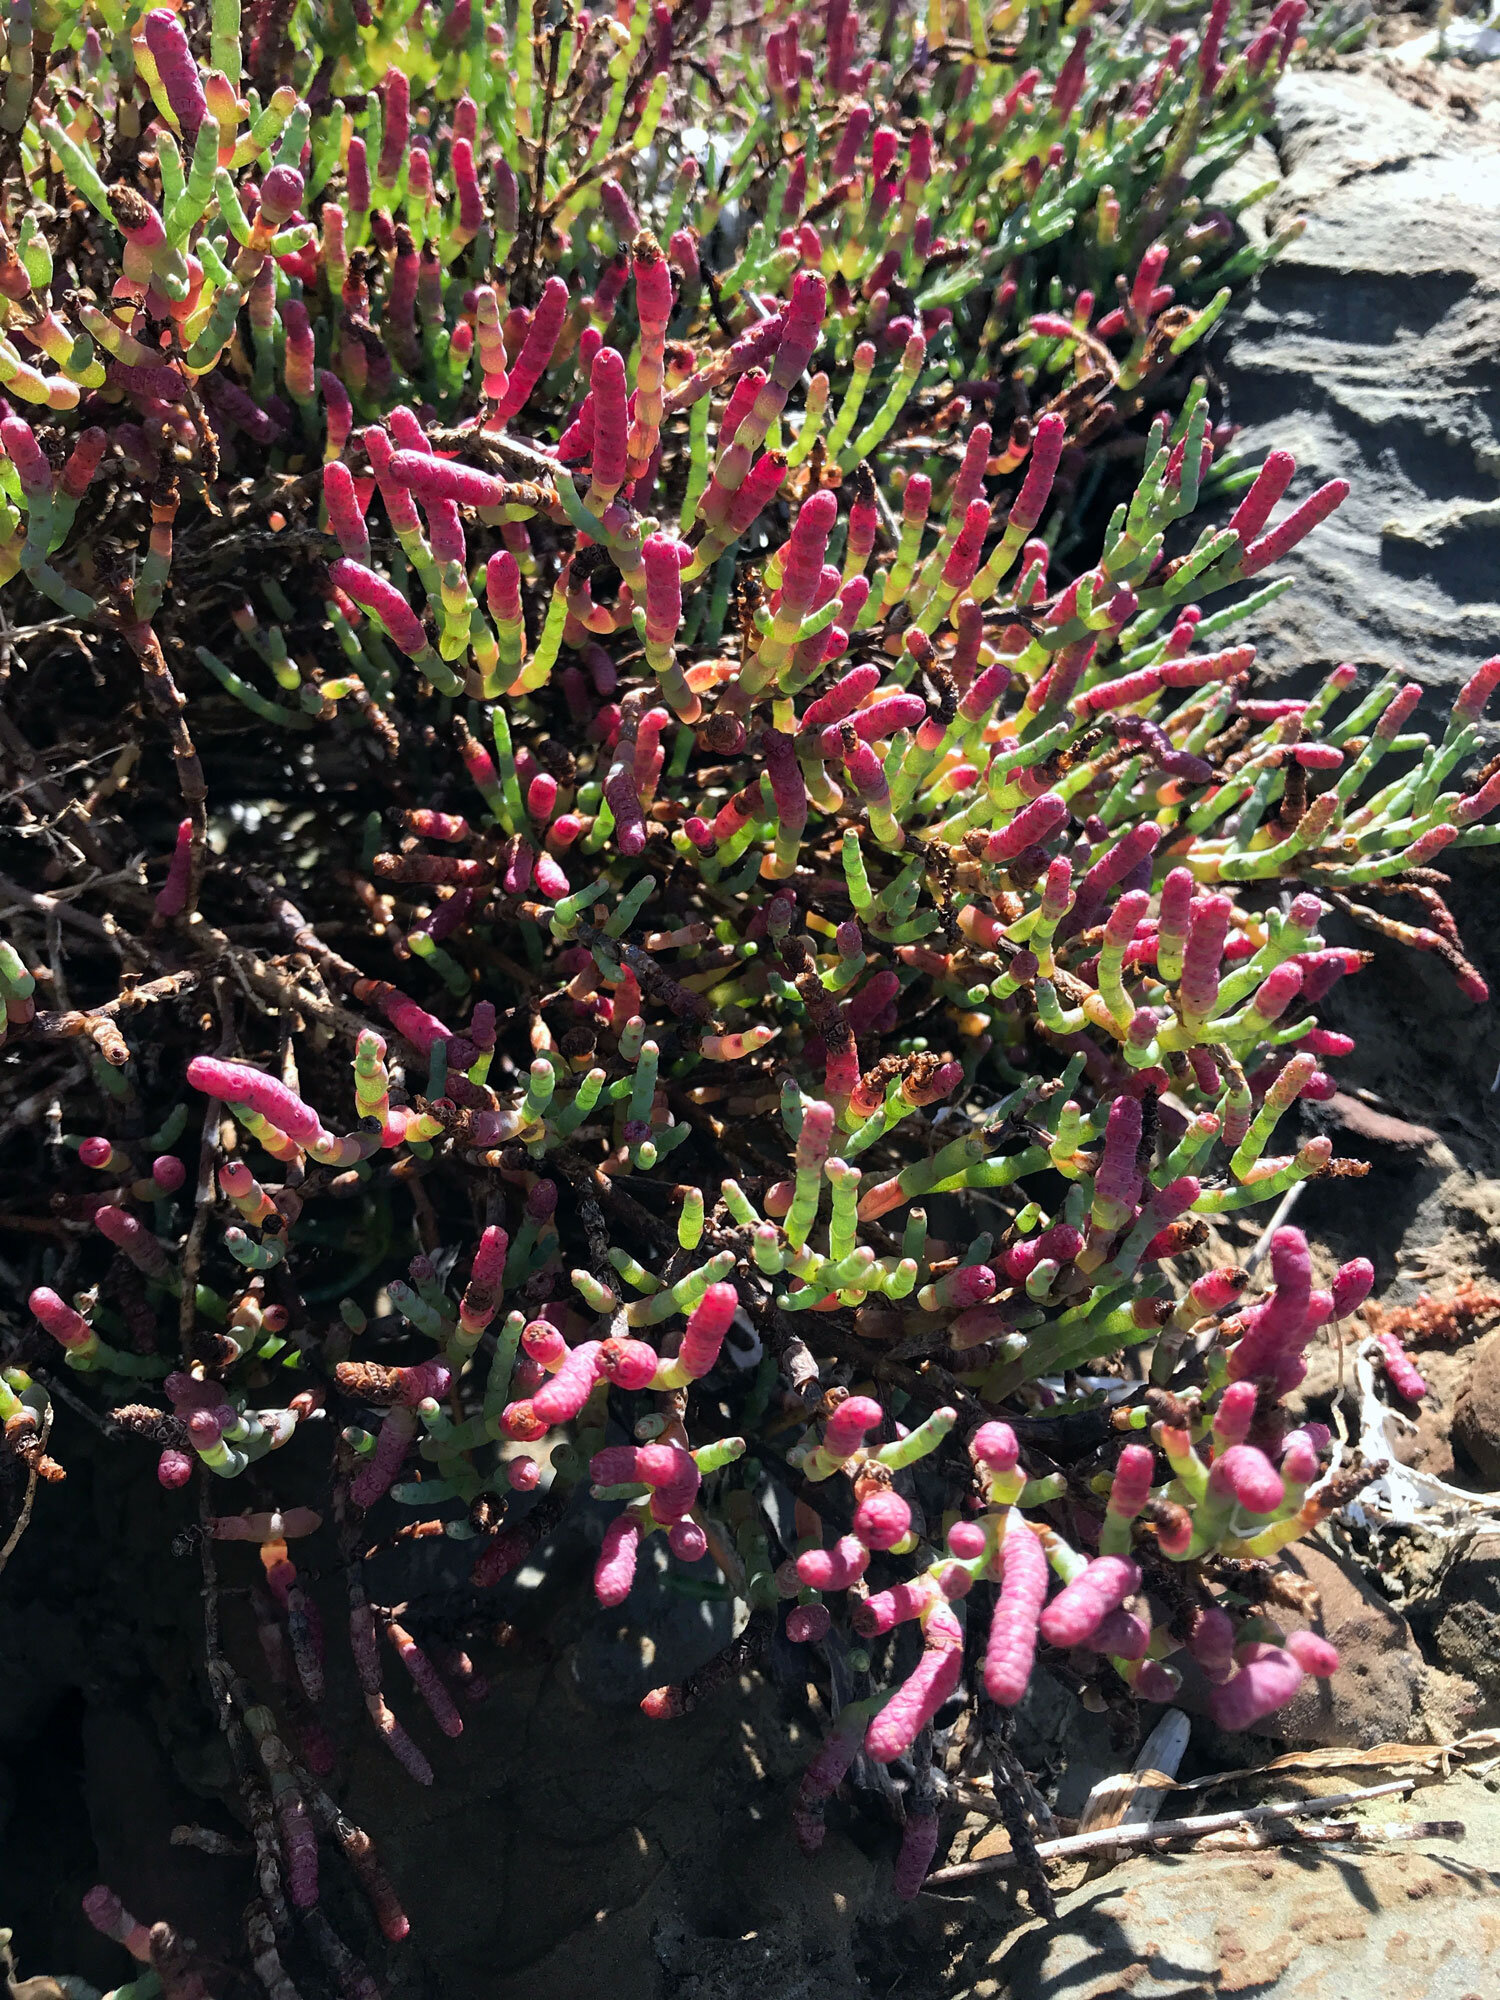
{"x":733,"y":906}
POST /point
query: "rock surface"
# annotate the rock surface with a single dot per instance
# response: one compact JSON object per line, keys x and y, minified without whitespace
{"x":1468,"y":1631}
{"x":1377,"y":1689}
{"x":1476,"y":1414}
{"x":1372,"y":352}
{"x":1410,"y":1919}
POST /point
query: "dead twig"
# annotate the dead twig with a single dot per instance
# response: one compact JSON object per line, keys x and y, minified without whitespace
{"x":1166,"y":1829}
{"x":33,"y":1473}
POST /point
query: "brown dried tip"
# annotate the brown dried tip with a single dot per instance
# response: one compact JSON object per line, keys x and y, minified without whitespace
{"x":862,"y":486}
{"x":578,"y":1044}
{"x":872,"y":1084}
{"x":369,"y":1382}
{"x":1171,"y":1521}
{"x":722,"y":735}
{"x":1336,"y":1493}
{"x":1186,"y":1234}
{"x":1151,"y":1312}
{"x":1295,"y":1592}
{"x":1293,"y":799}
{"x":1162,"y":1407}
{"x":24,"y":1439}
{"x":158,"y":1426}
{"x":129,"y":209}
{"x":14,"y":283}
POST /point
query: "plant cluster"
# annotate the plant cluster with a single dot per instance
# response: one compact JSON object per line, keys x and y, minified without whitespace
{"x":735,"y":908}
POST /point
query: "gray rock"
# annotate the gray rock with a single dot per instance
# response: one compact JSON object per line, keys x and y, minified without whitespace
{"x":1372,"y":352}
{"x":1372,"y":1697}
{"x":1408,"y":1919}
{"x":1468,"y":1633}
{"x":1476,"y":1415}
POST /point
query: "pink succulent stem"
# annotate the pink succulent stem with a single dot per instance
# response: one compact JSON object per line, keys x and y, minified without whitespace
{"x":984,"y":692}
{"x":1208,"y":927}
{"x":171,"y":898}
{"x":82,"y":462}
{"x":897,"y":1606}
{"x":1211,"y":1642}
{"x":1124,"y":1635}
{"x":881,"y":1518}
{"x":395,"y":95}
{"x":1258,"y":505}
{"x":1104,"y":1585}
{"x":432,"y":479}
{"x":378,"y":1474}
{"x":803,"y":562}
{"x":177,"y":69}
{"x":1299,"y":523}
{"x":918,"y":1845}
{"x":1351,"y":1286}
{"x":1401,"y":1372}
{"x":661,"y":558}
{"x":426,"y":1680}
{"x":962,"y":564}
{"x":396,"y":1740}
{"x":1313,"y":1654}
{"x":788,"y":786}
{"x":237,"y":1083}
{"x":1046,"y":453}
{"x":345,"y":516}
{"x":825,"y":1772}
{"x":107,"y":1914}
{"x":623,"y":796}
{"x":1476,"y":691}
{"x":1131,"y":1486}
{"x":67,"y":1327}
{"x":1277,"y":1327}
{"x":1117,"y":1184}
{"x":1245,"y":1476}
{"x":835,"y":1568}
{"x":935,"y":1677}
{"x":536,"y":349}
{"x":611,"y":426}
{"x":708,"y":1323}
{"x":375,"y":593}
{"x":615,"y":1570}
{"x":1234,"y":1416}
{"x":1036,"y":822}
{"x":1266,"y":1680}
{"x":27,"y":456}
{"x":1070,"y":81}
{"x":1011,"y":1649}
{"x":844,"y":1431}
{"x":883,"y":718}
{"x":131,"y":1237}
{"x":841,"y":700}
{"x":560,"y":1400}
